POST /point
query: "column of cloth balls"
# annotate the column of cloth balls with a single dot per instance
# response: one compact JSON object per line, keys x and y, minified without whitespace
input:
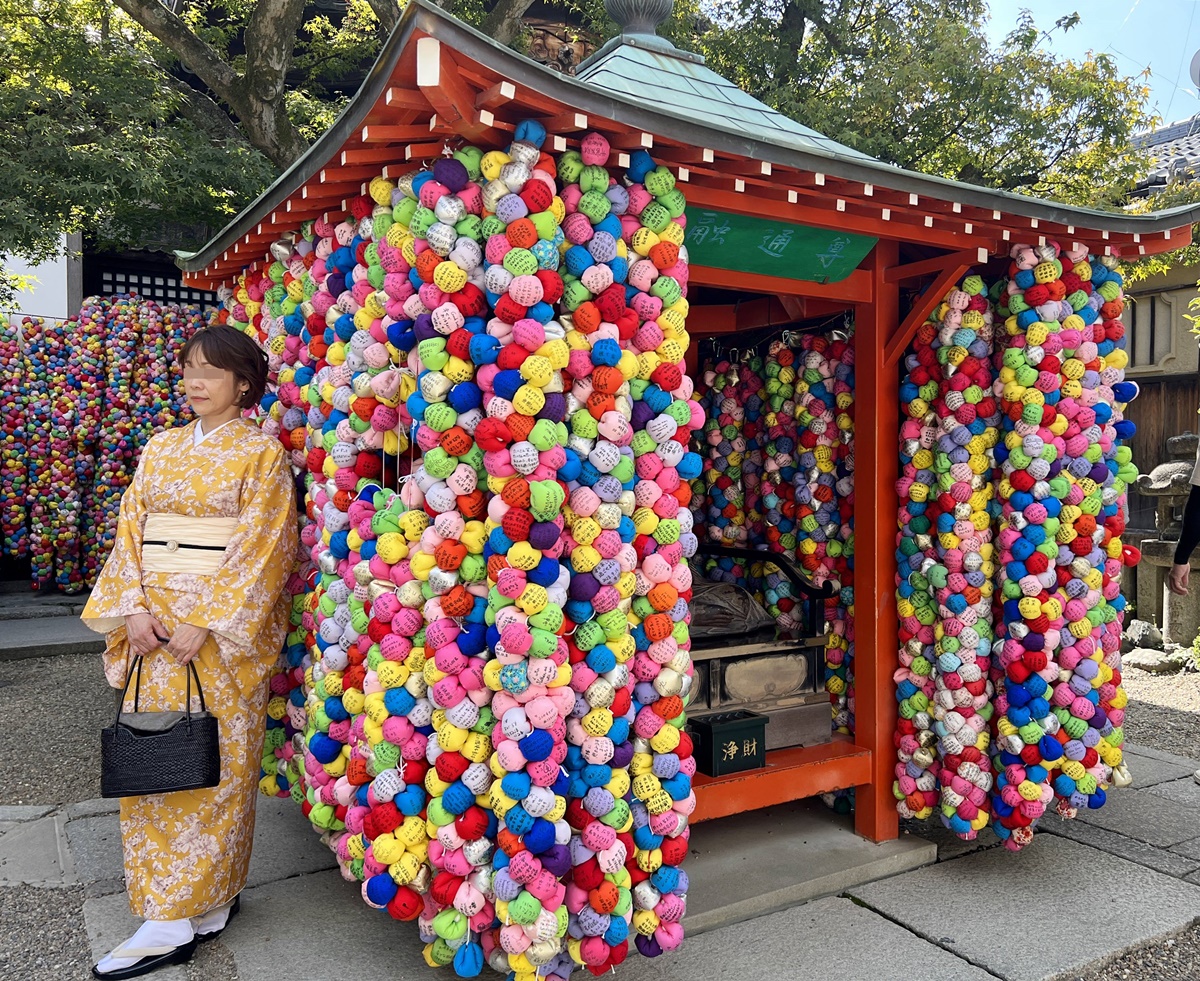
{"x":449,"y":411}
{"x":646,"y":341}
{"x":40,"y":447}
{"x":947,"y":607}
{"x":14,"y":475}
{"x":969,"y":418}
{"x":918,"y":767}
{"x":739,"y":407}
{"x":1059,"y":538}
{"x":69,"y":471}
{"x":824,"y":494}
{"x":88,"y":356}
{"x":719,"y":489}
{"x":783,"y":514}
{"x":599,"y":548}
{"x":366,"y":720}
{"x":752,"y":391}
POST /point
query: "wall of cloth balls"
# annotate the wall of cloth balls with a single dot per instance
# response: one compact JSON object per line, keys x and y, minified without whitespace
{"x":778,"y":449}
{"x":480,"y":372}
{"x":81,"y":398}
{"x":1014,"y":477}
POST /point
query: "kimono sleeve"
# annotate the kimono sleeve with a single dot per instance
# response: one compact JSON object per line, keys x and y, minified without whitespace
{"x":118,"y":590}
{"x":259,"y":557}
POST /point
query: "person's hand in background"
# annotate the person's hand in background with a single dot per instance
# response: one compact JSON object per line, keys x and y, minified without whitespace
{"x":1177,"y":579}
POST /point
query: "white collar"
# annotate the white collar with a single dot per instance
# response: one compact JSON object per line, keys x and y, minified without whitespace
{"x":199,"y":435}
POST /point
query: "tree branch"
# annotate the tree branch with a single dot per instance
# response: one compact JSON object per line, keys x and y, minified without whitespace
{"x":387,"y":12}
{"x":270,"y":42}
{"x":203,"y":111}
{"x":200,"y":56}
{"x":504,"y":21}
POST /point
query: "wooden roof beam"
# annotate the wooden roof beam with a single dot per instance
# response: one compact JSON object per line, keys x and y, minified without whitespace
{"x":445,"y":88}
{"x":925,"y":304}
{"x":396,"y":134}
{"x":915,"y":270}
{"x":855,"y":288}
{"x":374,"y":155}
{"x":400,"y":97}
{"x":496,"y":95}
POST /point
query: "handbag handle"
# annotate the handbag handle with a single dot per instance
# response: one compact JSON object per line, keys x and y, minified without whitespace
{"x":187,"y":705}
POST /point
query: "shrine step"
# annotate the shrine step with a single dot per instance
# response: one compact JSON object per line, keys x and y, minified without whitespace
{"x":752,"y":864}
{"x":46,"y":636}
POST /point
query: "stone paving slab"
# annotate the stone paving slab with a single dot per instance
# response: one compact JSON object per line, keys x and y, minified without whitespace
{"x":1163,"y":756}
{"x":827,"y":939}
{"x":1168,"y":861}
{"x":47,"y":636}
{"x":1037,"y":896}
{"x":1140,"y":815}
{"x":36,"y":854}
{"x":109,"y":923}
{"x":842,"y":940}
{"x":324,"y":910}
{"x":95,"y":844}
{"x":1186,"y":791}
{"x":285,"y":844}
{"x":24,"y":812}
{"x":93,"y":808}
{"x":1148,"y":771}
{"x":16,"y":606}
{"x":949,"y":845}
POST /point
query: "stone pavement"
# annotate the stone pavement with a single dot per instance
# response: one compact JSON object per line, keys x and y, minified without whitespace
{"x":777,"y":895}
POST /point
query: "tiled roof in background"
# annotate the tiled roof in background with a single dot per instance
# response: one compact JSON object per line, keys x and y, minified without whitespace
{"x":1173,"y":153}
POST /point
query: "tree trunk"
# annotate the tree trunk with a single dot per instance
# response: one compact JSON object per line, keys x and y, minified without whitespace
{"x":504,"y":22}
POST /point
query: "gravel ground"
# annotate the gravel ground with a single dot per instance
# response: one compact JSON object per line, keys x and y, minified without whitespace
{"x":43,"y":937}
{"x":1164,"y":711}
{"x":53,"y":710}
{"x":1176,"y":959}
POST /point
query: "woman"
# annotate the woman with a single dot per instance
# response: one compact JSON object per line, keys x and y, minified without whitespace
{"x":169,"y":593}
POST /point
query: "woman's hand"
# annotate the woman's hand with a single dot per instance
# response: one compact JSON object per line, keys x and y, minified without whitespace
{"x":1177,"y":579}
{"x":187,"y":642}
{"x":144,"y":632}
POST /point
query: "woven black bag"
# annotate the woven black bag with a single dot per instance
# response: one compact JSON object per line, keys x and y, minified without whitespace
{"x":159,"y":752}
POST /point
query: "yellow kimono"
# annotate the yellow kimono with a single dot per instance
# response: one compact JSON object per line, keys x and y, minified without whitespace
{"x":188,"y":852}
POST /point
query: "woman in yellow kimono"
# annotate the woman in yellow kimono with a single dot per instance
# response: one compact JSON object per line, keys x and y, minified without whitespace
{"x":169,"y":593}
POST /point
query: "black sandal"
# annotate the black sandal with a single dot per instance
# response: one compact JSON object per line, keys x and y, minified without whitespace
{"x":233,"y":911}
{"x":155,"y":958}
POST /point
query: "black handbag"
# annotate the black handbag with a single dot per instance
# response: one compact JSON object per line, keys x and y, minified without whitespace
{"x":159,"y":752}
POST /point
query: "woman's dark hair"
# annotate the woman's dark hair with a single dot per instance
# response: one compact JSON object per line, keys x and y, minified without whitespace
{"x":228,"y":348}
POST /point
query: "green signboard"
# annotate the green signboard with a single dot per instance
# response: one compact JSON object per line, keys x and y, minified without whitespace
{"x":740,"y":243}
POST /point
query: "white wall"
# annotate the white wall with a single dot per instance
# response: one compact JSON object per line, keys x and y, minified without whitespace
{"x":50,"y":296}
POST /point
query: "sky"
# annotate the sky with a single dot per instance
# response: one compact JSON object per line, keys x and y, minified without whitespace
{"x":1160,"y":34}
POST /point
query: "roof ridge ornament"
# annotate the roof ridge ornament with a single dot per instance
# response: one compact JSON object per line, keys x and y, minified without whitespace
{"x":639,"y":16}
{"x":637,"y":27}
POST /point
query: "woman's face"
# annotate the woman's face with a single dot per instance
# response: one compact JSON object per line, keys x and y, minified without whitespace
{"x":212,"y":392}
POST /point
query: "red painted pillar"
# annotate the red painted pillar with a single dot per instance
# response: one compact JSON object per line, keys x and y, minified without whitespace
{"x":876,"y":434}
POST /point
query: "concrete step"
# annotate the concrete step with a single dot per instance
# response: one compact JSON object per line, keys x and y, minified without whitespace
{"x":29,"y":604}
{"x":752,"y":864}
{"x":45,"y":636}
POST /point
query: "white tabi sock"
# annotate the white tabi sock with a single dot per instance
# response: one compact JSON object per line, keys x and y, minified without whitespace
{"x":152,"y":933}
{"x":214,"y":920}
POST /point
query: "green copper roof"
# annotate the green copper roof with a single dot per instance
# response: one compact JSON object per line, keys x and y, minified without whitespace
{"x":675,"y":83}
